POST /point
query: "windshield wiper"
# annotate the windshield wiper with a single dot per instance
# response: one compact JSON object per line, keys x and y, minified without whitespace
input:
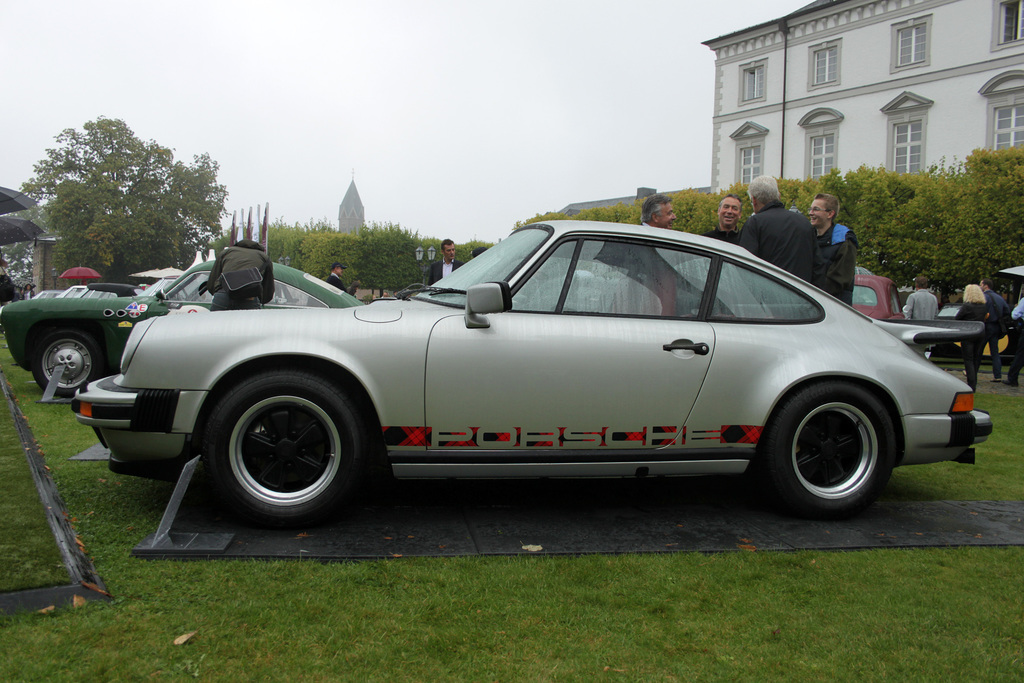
{"x":419,"y":289}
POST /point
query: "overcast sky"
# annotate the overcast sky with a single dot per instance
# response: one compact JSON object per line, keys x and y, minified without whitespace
{"x":457,"y":117}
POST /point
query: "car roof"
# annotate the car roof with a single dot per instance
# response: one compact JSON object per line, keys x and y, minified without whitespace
{"x":115,"y":287}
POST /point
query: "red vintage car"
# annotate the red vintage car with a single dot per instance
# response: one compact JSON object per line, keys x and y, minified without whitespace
{"x":876,"y":297}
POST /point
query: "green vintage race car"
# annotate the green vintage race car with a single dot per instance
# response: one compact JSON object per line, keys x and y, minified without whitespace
{"x":84,"y":337}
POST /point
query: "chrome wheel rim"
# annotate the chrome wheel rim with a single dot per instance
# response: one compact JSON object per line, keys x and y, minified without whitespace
{"x":284,"y":450}
{"x":835,"y":451}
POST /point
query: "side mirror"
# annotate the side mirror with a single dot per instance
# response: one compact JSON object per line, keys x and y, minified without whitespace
{"x":487,"y":297}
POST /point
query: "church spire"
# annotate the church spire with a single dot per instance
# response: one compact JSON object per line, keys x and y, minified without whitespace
{"x":350,"y":214}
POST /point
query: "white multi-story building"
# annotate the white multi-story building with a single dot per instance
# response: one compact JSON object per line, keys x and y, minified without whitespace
{"x":904,"y":84}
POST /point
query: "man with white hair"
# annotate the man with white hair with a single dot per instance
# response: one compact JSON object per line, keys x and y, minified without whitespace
{"x":784,"y":238}
{"x":656,"y":212}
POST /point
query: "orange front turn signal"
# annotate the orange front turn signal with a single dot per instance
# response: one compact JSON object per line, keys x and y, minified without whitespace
{"x":963,"y":403}
{"x":85,"y":409}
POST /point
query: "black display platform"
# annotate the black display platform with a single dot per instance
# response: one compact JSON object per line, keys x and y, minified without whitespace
{"x":445,"y":519}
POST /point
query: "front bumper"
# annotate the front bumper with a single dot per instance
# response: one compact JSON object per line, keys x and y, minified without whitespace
{"x":148,"y":431}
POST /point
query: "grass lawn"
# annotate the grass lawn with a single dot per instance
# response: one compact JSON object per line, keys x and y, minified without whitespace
{"x":28,"y":554}
{"x":908,"y":614}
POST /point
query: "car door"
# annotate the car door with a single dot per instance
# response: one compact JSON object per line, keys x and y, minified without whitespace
{"x":602,"y":349}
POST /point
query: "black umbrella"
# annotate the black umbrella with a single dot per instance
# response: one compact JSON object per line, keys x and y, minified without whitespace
{"x":14,"y":229}
{"x":12,"y":200}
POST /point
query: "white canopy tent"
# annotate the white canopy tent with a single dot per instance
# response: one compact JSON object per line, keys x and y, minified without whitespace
{"x":159,"y":273}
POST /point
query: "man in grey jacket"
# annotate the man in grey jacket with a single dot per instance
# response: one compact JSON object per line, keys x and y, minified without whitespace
{"x":922,"y":304}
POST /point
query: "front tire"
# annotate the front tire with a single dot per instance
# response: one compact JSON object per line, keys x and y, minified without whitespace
{"x":828,"y":451}
{"x":76,"y":352}
{"x":285,"y":449}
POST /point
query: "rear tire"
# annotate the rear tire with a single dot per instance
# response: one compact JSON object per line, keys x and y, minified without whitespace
{"x":285,"y":448}
{"x":827,"y":452}
{"x":77,"y":352}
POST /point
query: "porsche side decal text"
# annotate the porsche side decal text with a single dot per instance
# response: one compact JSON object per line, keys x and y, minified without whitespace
{"x":474,"y":437}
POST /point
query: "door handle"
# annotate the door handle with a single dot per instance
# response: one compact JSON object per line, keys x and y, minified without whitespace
{"x":701,"y":348}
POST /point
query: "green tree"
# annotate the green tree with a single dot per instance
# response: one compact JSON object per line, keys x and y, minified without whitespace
{"x":322,"y":248}
{"x":121,"y":205}
{"x":387,"y":259}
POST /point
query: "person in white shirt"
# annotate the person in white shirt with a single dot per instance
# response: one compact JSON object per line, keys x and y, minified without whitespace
{"x":447,"y":265}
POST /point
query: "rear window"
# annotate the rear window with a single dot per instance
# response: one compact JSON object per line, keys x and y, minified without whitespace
{"x":864,"y":296}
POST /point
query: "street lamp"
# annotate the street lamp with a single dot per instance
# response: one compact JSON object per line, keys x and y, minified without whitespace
{"x":424,"y":267}
{"x":53,"y":272}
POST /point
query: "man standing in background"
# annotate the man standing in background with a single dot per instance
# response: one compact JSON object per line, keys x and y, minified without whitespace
{"x":447,"y":265}
{"x":784,"y":238}
{"x":335,"y":277}
{"x":838,"y":247}
{"x":656,"y":212}
{"x":729,"y":210}
{"x":997,"y":308}
{"x":922,"y":304}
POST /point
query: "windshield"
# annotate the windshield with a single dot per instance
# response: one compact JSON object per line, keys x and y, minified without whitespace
{"x":497,"y":264}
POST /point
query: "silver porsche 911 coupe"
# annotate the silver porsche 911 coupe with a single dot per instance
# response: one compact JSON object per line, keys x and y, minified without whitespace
{"x":569,"y":349}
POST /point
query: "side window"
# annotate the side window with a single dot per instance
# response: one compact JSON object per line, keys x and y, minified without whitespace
{"x":610,"y":277}
{"x":188,"y":291}
{"x":540,"y":294}
{"x":287,"y":296}
{"x":746,"y":295}
{"x":616,"y":278}
{"x":626,"y":278}
{"x":894,"y":301}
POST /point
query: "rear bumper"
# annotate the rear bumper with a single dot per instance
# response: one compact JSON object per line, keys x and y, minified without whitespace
{"x":940,"y":438}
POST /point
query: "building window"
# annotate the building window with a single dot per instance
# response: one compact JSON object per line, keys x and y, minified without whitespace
{"x":1010,"y":21}
{"x":821,"y":128}
{"x":752,"y":82}
{"x":826,"y":65}
{"x":750,"y":163}
{"x":910,"y":43}
{"x":749,"y":139}
{"x":1009,"y":127}
{"x":823,"y":155}
{"x":1004,"y":126}
{"x":908,"y":147}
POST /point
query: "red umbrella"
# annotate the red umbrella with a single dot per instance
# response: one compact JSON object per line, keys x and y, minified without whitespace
{"x":80,"y":273}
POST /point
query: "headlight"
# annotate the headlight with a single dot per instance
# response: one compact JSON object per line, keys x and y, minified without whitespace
{"x":138,"y":332}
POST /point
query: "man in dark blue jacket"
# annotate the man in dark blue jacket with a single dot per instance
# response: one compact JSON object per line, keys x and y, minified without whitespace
{"x":997,"y":308}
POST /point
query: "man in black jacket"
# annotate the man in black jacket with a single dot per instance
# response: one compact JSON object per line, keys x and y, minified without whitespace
{"x":729,"y":210}
{"x":782,"y":237}
{"x":447,"y":265}
{"x":243,"y":255}
{"x":335,"y":277}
